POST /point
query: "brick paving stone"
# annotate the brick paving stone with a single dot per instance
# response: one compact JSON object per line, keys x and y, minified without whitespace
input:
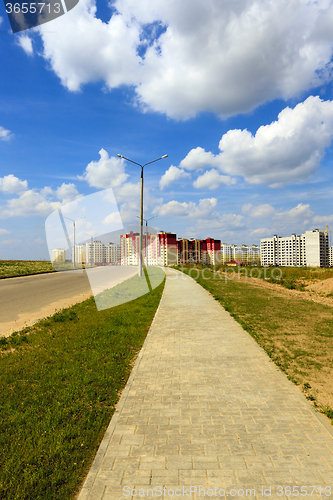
{"x":205,"y":407}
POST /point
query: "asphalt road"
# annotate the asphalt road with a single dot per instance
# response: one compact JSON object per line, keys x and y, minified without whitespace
{"x":26,"y":299}
{"x":32,"y":293}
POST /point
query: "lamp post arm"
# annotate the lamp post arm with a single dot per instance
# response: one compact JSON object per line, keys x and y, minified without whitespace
{"x":124,"y":157}
{"x":165,"y":156}
{"x":141,"y":202}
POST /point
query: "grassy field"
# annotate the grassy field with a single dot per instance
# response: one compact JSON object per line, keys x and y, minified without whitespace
{"x":296,"y":278}
{"x":10,"y":268}
{"x":293,"y":278}
{"x":59,"y":383}
{"x":297,"y":334}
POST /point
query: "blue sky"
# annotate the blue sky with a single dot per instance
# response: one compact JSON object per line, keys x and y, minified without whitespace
{"x":237,"y":93}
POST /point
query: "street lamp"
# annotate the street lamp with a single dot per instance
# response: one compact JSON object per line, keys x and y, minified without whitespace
{"x":89,"y":257}
{"x":141,"y":203}
{"x":146,"y":221}
{"x":74,"y":235}
{"x":91,"y":237}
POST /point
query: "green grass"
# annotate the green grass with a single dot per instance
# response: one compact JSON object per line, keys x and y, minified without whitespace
{"x":130,"y":289}
{"x":293,"y":278}
{"x":60,"y":381}
{"x":297,"y":334}
{"x":296,"y":278}
{"x":11,"y":268}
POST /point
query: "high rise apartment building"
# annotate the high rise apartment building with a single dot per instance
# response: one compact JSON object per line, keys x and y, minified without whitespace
{"x":248,"y":254}
{"x":213,"y":251}
{"x":159,"y":250}
{"x":97,"y":253}
{"x":195,"y":251}
{"x":58,"y":255}
{"x":309,"y":249}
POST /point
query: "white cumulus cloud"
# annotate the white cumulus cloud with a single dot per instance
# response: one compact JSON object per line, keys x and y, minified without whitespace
{"x":34,"y":201}
{"x":106,"y":172}
{"x":171,"y":175}
{"x":25,"y":42}
{"x":300,"y":213}
{"x":67,"y":192}
{"x":183,"y":209}
{"x":5,"y":134}
{"x":94,"y":50}
{"x":211,"y":179}
{"x":186,"y":57}
{"x":264,"y":210}
{"x":29,"y":203}
{"x":287,"y":150}
{"x":11,"y":184}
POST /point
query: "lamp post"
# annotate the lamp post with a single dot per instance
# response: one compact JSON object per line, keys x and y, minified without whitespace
{"x":141,"y":203}
{"x":91,"y":237}
{"x":74,"y":235}
{"x":89,"y":259}
{"x":146,"y":221}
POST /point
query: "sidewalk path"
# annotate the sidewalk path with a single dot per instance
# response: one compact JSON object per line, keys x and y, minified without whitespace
{"x":205,"y":406}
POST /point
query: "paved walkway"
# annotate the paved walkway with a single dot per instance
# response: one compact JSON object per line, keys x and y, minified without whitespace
{"x":205,"y":407}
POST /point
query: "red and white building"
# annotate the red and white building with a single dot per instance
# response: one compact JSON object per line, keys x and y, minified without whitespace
{"x":159,"y":250}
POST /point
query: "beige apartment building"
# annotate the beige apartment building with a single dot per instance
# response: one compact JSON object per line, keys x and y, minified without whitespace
{"x":249,"y":254}
{"x":309,"y":249}
{"x":58,"y":255}
{"x":97,"y":253}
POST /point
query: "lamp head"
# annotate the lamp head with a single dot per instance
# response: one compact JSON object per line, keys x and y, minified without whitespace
{"x":164,"y":156}
{"x":120,"y":156}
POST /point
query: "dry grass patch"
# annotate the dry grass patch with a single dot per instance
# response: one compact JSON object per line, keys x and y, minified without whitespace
{"x":11,"y":268}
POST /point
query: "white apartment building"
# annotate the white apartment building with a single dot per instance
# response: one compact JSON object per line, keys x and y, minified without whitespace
{"x":331,"y":256}
{"x":112,"y":254}
{"x":308,"y":249}
{"x":96,"y":253}
{"x":58,"y":255}
{"x":250,"y":254}
{"x":253,"y":254}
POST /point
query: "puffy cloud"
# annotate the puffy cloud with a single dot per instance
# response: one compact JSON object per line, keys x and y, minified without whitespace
{"x":67,"y":192}
{"x":175,"y":208}
{"x":264,"y":210}
{"x":4,"y":231}
{"x":196,"y":55}
{"x":262,"y":232}
{"x":198,"y":159}
{"x":211,"y":179}
{"x":300,"y":213}
{"x":216,"y":224}
{"x":106,"y":172}
{"x":171,"y":175}
{"x":5,"y":134}
{"x":285,"y":151}
{"x":322,"y":219}
{"x":29,"y":203}
{"x":25,"y":42}
{"x":11,"y":184}
{"x":94,"y":51}
{"x":33,"y":201}
{"x":112,"y":220}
